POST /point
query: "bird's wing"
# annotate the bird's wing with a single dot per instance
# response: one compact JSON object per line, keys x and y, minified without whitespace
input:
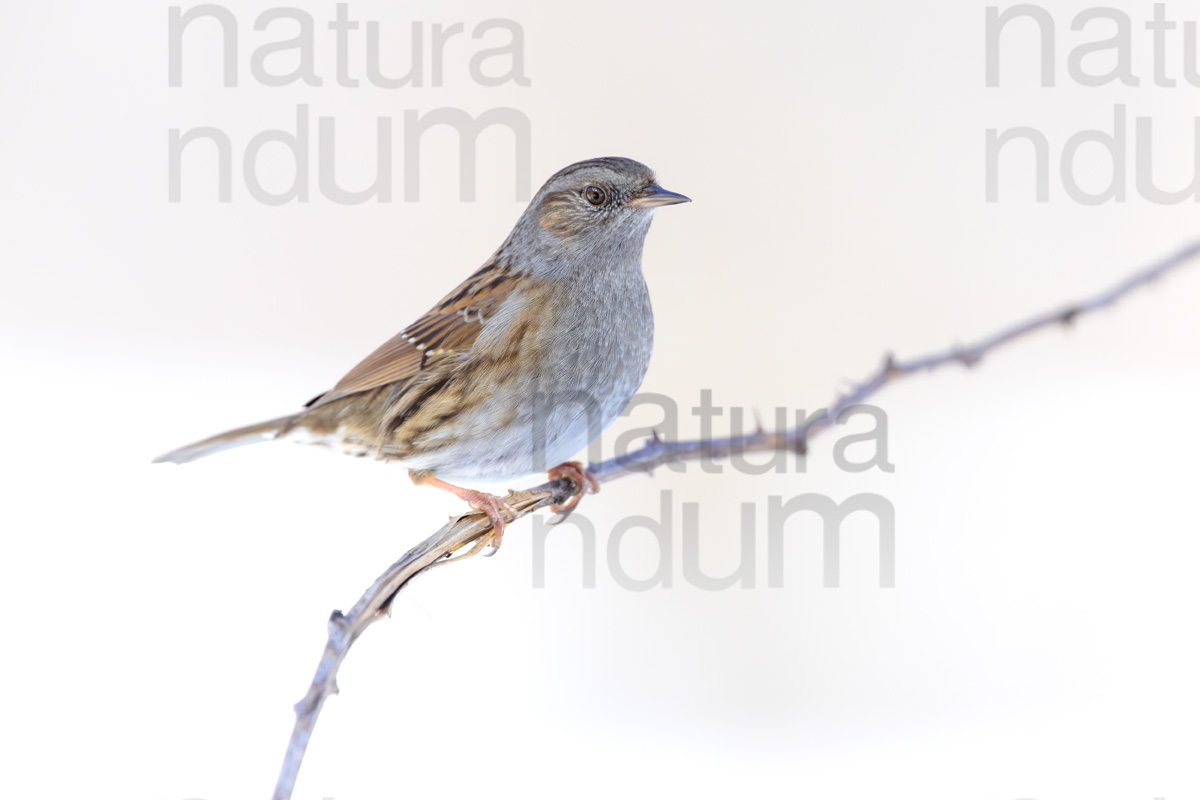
{"x":449,"y":327}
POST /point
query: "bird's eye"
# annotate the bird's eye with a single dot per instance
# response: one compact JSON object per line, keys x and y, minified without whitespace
{"x":594,"y":194}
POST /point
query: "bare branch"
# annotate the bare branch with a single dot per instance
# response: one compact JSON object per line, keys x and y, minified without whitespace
{"x":465,"y":536}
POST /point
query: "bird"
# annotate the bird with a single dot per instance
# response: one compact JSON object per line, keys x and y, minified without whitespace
{"x":520,"y":366}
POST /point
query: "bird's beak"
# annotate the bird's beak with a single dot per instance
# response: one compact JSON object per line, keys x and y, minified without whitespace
{"x":654,"y":196}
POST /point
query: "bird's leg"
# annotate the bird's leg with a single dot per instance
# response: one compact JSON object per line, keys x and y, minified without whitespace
{"x":583,"y":480}
{"x":489,"y":504}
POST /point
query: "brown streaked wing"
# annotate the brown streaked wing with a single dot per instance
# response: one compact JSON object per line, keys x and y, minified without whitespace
{"x":450,"y":326}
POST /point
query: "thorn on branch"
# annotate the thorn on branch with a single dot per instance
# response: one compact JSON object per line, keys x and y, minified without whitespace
{"x":890,"y":369}
{"x":1068,"y":317}
{"x":966,"y":356}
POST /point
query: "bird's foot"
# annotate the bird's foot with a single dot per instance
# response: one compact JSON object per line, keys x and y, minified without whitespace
{"x":585,"y":484}
{"x":484,"y":502}
{"x":495,"y":508}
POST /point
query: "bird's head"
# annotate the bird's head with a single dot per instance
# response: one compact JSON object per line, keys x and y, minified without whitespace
{"x":601,"y":205}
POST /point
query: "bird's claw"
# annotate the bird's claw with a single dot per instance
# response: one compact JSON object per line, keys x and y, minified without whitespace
{"x":495,"y":508}
{"x":584,"y":481}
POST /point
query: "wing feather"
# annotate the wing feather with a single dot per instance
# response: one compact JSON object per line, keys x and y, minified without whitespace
{"x":451,"y":326}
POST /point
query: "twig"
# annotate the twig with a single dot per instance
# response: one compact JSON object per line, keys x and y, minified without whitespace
{"x":464,"y":536}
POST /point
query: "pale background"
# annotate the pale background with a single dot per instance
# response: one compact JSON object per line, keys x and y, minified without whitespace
{"x":161,"y":620}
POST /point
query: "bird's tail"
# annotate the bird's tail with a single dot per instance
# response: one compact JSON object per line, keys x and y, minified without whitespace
{"x":238,"y":437}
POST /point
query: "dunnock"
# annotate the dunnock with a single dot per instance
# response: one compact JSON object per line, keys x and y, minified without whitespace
{"x":520,"y":366}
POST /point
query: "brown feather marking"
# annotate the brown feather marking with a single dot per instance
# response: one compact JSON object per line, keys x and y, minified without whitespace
{"x":557,"y":215}
{"x":449,"y":327}
{"x":459,"y":386}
